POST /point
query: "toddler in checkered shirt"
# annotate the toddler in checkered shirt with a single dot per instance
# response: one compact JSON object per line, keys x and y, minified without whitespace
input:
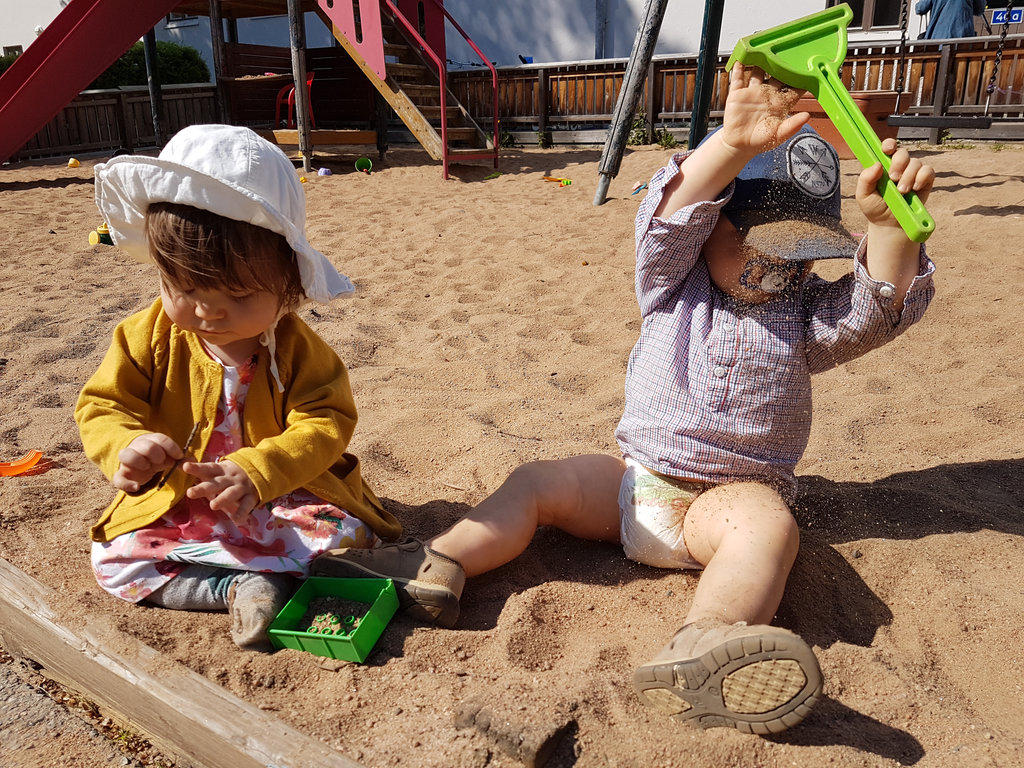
{"x":717,"y":407}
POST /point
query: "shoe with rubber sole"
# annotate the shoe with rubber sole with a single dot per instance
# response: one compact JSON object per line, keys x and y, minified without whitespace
{"x":758,"y":679}
{"x":428,"y":583}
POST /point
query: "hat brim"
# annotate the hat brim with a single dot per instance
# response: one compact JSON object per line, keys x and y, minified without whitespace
{"x":126,"y":186}
{"x":808,"y":238}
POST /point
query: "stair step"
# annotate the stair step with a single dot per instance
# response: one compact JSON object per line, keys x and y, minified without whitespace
{"x":417,"y":91}
{"x":395,"y":49}
{"x":433,"y":112}
{"x":460,"y":134}
{"x":411,"y":73}
{"x":472,"y":152}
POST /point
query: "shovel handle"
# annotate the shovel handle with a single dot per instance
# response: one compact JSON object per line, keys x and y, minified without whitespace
{"x":833,"y":97}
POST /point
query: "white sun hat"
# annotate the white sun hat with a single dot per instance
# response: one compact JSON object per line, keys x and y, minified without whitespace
{"x":224,"y":169}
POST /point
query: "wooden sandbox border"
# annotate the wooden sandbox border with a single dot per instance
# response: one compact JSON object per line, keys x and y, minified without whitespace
{"x":184,"y":715}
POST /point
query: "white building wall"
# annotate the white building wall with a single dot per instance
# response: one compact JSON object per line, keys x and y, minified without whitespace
{"x":265,"y":30}
{"x":19,"y":19}
{"x":557,"y":30}
{"x":566,"y":30}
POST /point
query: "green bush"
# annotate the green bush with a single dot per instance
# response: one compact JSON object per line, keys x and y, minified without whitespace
{"x":6,"y":61}
{"x":174,"y":64}
{"x":638,"y":130}
{"x":507,"y":140}
{"x":664,"y":139}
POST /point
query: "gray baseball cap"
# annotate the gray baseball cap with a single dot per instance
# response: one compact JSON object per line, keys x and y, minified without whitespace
{"x":787,"y":201}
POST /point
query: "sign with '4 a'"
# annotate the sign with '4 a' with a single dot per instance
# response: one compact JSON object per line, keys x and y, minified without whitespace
{"x":1016,"y":16}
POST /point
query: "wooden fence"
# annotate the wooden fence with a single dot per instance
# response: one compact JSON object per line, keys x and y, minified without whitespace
{"x":119,"y":118}
{"x":575,"y":101}
{"x":568,"y":102}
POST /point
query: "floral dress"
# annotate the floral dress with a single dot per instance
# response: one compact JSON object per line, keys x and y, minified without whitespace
{"x":281,"y":536}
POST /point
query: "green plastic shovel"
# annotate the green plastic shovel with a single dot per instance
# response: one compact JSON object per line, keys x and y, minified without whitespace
{"x":806,"y":54}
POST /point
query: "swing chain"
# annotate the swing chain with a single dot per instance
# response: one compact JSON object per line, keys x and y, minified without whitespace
{"x":901,"y":77}
{"x":901,"y":80}
{"x":999,"y":49}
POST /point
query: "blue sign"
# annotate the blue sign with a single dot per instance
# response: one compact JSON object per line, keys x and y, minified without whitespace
{"x":1016,"y":16}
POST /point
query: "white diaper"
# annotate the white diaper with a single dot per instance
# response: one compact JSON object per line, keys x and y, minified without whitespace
{"x":651,"y":512}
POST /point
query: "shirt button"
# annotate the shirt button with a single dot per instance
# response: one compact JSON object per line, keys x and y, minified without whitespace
{"x":887,"y":291}
{"x":720,"y":371}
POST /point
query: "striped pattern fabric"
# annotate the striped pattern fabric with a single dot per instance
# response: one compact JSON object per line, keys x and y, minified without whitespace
{"x":720,"y":391}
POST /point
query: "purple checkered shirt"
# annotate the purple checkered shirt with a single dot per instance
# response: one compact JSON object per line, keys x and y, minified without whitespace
{"x":720,"y":391}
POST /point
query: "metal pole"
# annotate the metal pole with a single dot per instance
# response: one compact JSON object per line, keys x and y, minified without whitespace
{"x":297,"y":36}
{"x":707,"y":67}
{"x":217,"y":42}
{"x":153,"y":80}
{"x":632,"y":86}
{"x":600,"y":29}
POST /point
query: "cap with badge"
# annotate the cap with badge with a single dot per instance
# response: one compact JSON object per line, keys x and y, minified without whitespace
{"x":787,"y":202}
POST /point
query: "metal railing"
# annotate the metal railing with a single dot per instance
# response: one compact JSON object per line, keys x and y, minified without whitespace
{"x":442,"y":67}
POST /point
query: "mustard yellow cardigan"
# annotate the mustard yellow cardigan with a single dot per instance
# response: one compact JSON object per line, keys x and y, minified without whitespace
{"x":156,"y":377}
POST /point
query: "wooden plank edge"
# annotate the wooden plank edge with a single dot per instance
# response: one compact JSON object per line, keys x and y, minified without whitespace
{"x":320,"y":137}
{"x":182,"y":713}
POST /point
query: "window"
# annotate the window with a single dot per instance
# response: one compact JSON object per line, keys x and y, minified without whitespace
{"x":181,"y":20}
{"x":874,"y":14}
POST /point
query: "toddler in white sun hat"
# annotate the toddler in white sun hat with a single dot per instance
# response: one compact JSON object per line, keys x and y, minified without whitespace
{"x":218,"y":415}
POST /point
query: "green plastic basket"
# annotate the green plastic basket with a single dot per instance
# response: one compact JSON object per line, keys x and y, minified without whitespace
{"x":381,"y":603}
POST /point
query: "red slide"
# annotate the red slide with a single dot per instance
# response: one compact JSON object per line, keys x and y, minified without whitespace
{"x":85,"y":38}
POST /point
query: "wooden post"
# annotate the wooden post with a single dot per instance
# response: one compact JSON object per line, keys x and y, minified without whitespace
{"x":542,"y":107}
{"x":297,"y":37}
{"x":217,"y":41}
{"x":707,"y":68}
{"x":156,"y":101}
{"x":632,"y":86}
{"x":382,"y":115}
{"x":940,"y":99}
{"x":124,"y":122}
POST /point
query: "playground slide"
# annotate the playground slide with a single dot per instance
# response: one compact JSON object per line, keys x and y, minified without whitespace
{"x":85,"y":38}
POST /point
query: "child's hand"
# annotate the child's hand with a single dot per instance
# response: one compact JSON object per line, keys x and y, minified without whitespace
{"x":142,"y":458}
{"x":909,"y":174}
{"x":224,"y":483}
{"x":757,"y":111}
{"x":756,"y":119}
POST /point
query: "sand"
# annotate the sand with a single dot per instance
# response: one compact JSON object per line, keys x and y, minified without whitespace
{"x":491,"y":327}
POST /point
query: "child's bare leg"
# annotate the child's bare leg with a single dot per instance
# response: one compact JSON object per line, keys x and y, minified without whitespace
{"x":747,"y":539}
{"x":579,"y":495}
{"x":727,"y":666}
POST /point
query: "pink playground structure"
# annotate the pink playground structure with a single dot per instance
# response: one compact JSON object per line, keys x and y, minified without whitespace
{"x":89,"y":35}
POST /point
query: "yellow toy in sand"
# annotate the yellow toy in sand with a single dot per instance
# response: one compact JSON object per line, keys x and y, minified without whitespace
{"x":100,"y":235}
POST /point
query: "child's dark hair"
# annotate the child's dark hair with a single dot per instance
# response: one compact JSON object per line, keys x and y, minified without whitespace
{"x":198,"y":249}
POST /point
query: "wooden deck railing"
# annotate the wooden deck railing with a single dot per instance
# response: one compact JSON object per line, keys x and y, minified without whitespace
{"x":576,"y":100}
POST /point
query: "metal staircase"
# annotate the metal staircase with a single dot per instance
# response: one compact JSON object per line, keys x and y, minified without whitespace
{"x":400,"y":46}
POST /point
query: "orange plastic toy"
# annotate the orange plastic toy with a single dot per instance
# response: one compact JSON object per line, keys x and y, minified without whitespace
{"x":20,"y":466}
